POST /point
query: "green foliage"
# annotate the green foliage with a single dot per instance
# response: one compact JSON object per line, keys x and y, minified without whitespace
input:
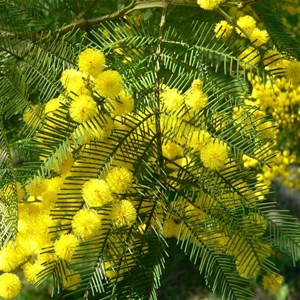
{"x":210,"y":207}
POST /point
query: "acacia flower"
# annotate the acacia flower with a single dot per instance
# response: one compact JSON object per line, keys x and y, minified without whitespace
{"x":214,"y":155}
{"x":119,"y":180}
{"x":109,"y":84}
{"x":209,"y":4}
{"x":83,"y":108}
{"x":259,"y":37}
{"x":122,"y":104}
{"x":31,"y":270}
{"x":10,"y":285}
{"x":86,"y":223}
{"x":123,"y":213}
{"x":74,"y":82}
{"x":292,"y":71}
{"x":172,"y":99}
{"x":247,"y":23}
{"x":223,"y":29}
{"x":96,"y":192}
{"x":65,"y":246}
{"x":196,"y":99}
{"x":91,"y":61}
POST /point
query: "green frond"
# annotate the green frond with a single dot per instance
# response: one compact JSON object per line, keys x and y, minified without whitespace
{"x":280,"y":35}
{"x":284,"y":233}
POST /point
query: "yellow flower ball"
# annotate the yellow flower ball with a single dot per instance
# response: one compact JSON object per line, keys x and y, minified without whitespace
{"x":292,"y":71}
{"x":74,"y":82}
{"x":31,"y":271}
{"x":54,"y":104}
{"x":83,"y":108}
{"x":209,"y":4}
{"x":96,"y":192}
{"x":10,"y":258}
{"x":223,"y":29}
{"x":10,"y":285}
{"x":259,"y":37}
{"x":247,"y":23}
{"x":171,"y":150}
{"x":109,"y":84}
{"x":91,"y":61}
{"x":123,"y":213}
{"x":172,"y":99}
{"x":122,"y":104}
{"x":86,"y":223}
{"x":197,"y":139}
{"x":196,"y":99}
{"x":119,"y":180}
{"x":65,"y":246}
{"x":214,"y":155}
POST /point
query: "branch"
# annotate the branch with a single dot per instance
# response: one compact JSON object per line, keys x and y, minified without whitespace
{"x":82,"y":23}
{"x":134,"y":5}
{"x":158,"y":53}
{"x":86,"y":10}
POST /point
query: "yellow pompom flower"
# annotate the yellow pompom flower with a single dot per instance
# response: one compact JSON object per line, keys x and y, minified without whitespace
{"x":122,"y":104}
{"x":292,"y":71}
{"x":223,"y":29}
{"x":119,"y":180}
{"x":272,"y":282}
{"x":86,"y":223}
{"x":197,"y":139}
{"x":249,"y":57}
{"x":31,"y":271}
{"x":214,"y":155}
{"x":209,"y":4}
{"x":10,"y":285}
{"x":172,"y":99}
{"x":54,"y":104}
{"x":83,"y":108}
{"x":171,"y":150}
{"x":196,"y":99}
{"x":74,"y":82}
{"x":91,"y":61}
{"x":10,"y":258}
{"x":65,"y":246}
{"x":247,"y":23}
{"x":259,"y":37}
{"x":109,"y":84}
{"x":96,"y":192}
{"x":197,"y":84}
{"x":123,"y":213}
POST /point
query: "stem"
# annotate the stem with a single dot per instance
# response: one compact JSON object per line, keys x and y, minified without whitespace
{"x":158,"y":87}
{"x":86,"y":10}
{"x":82,"y":23}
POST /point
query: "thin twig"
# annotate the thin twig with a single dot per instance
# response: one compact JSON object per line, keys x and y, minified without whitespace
{"x":158,"y":87}
{"x":82,"y":23}
{"x":86,"y":10}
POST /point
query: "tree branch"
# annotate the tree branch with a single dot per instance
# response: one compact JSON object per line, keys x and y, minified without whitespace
{"x":82,"y":23}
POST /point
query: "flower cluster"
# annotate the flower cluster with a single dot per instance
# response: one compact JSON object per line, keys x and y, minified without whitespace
{"x":95,"y":191}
